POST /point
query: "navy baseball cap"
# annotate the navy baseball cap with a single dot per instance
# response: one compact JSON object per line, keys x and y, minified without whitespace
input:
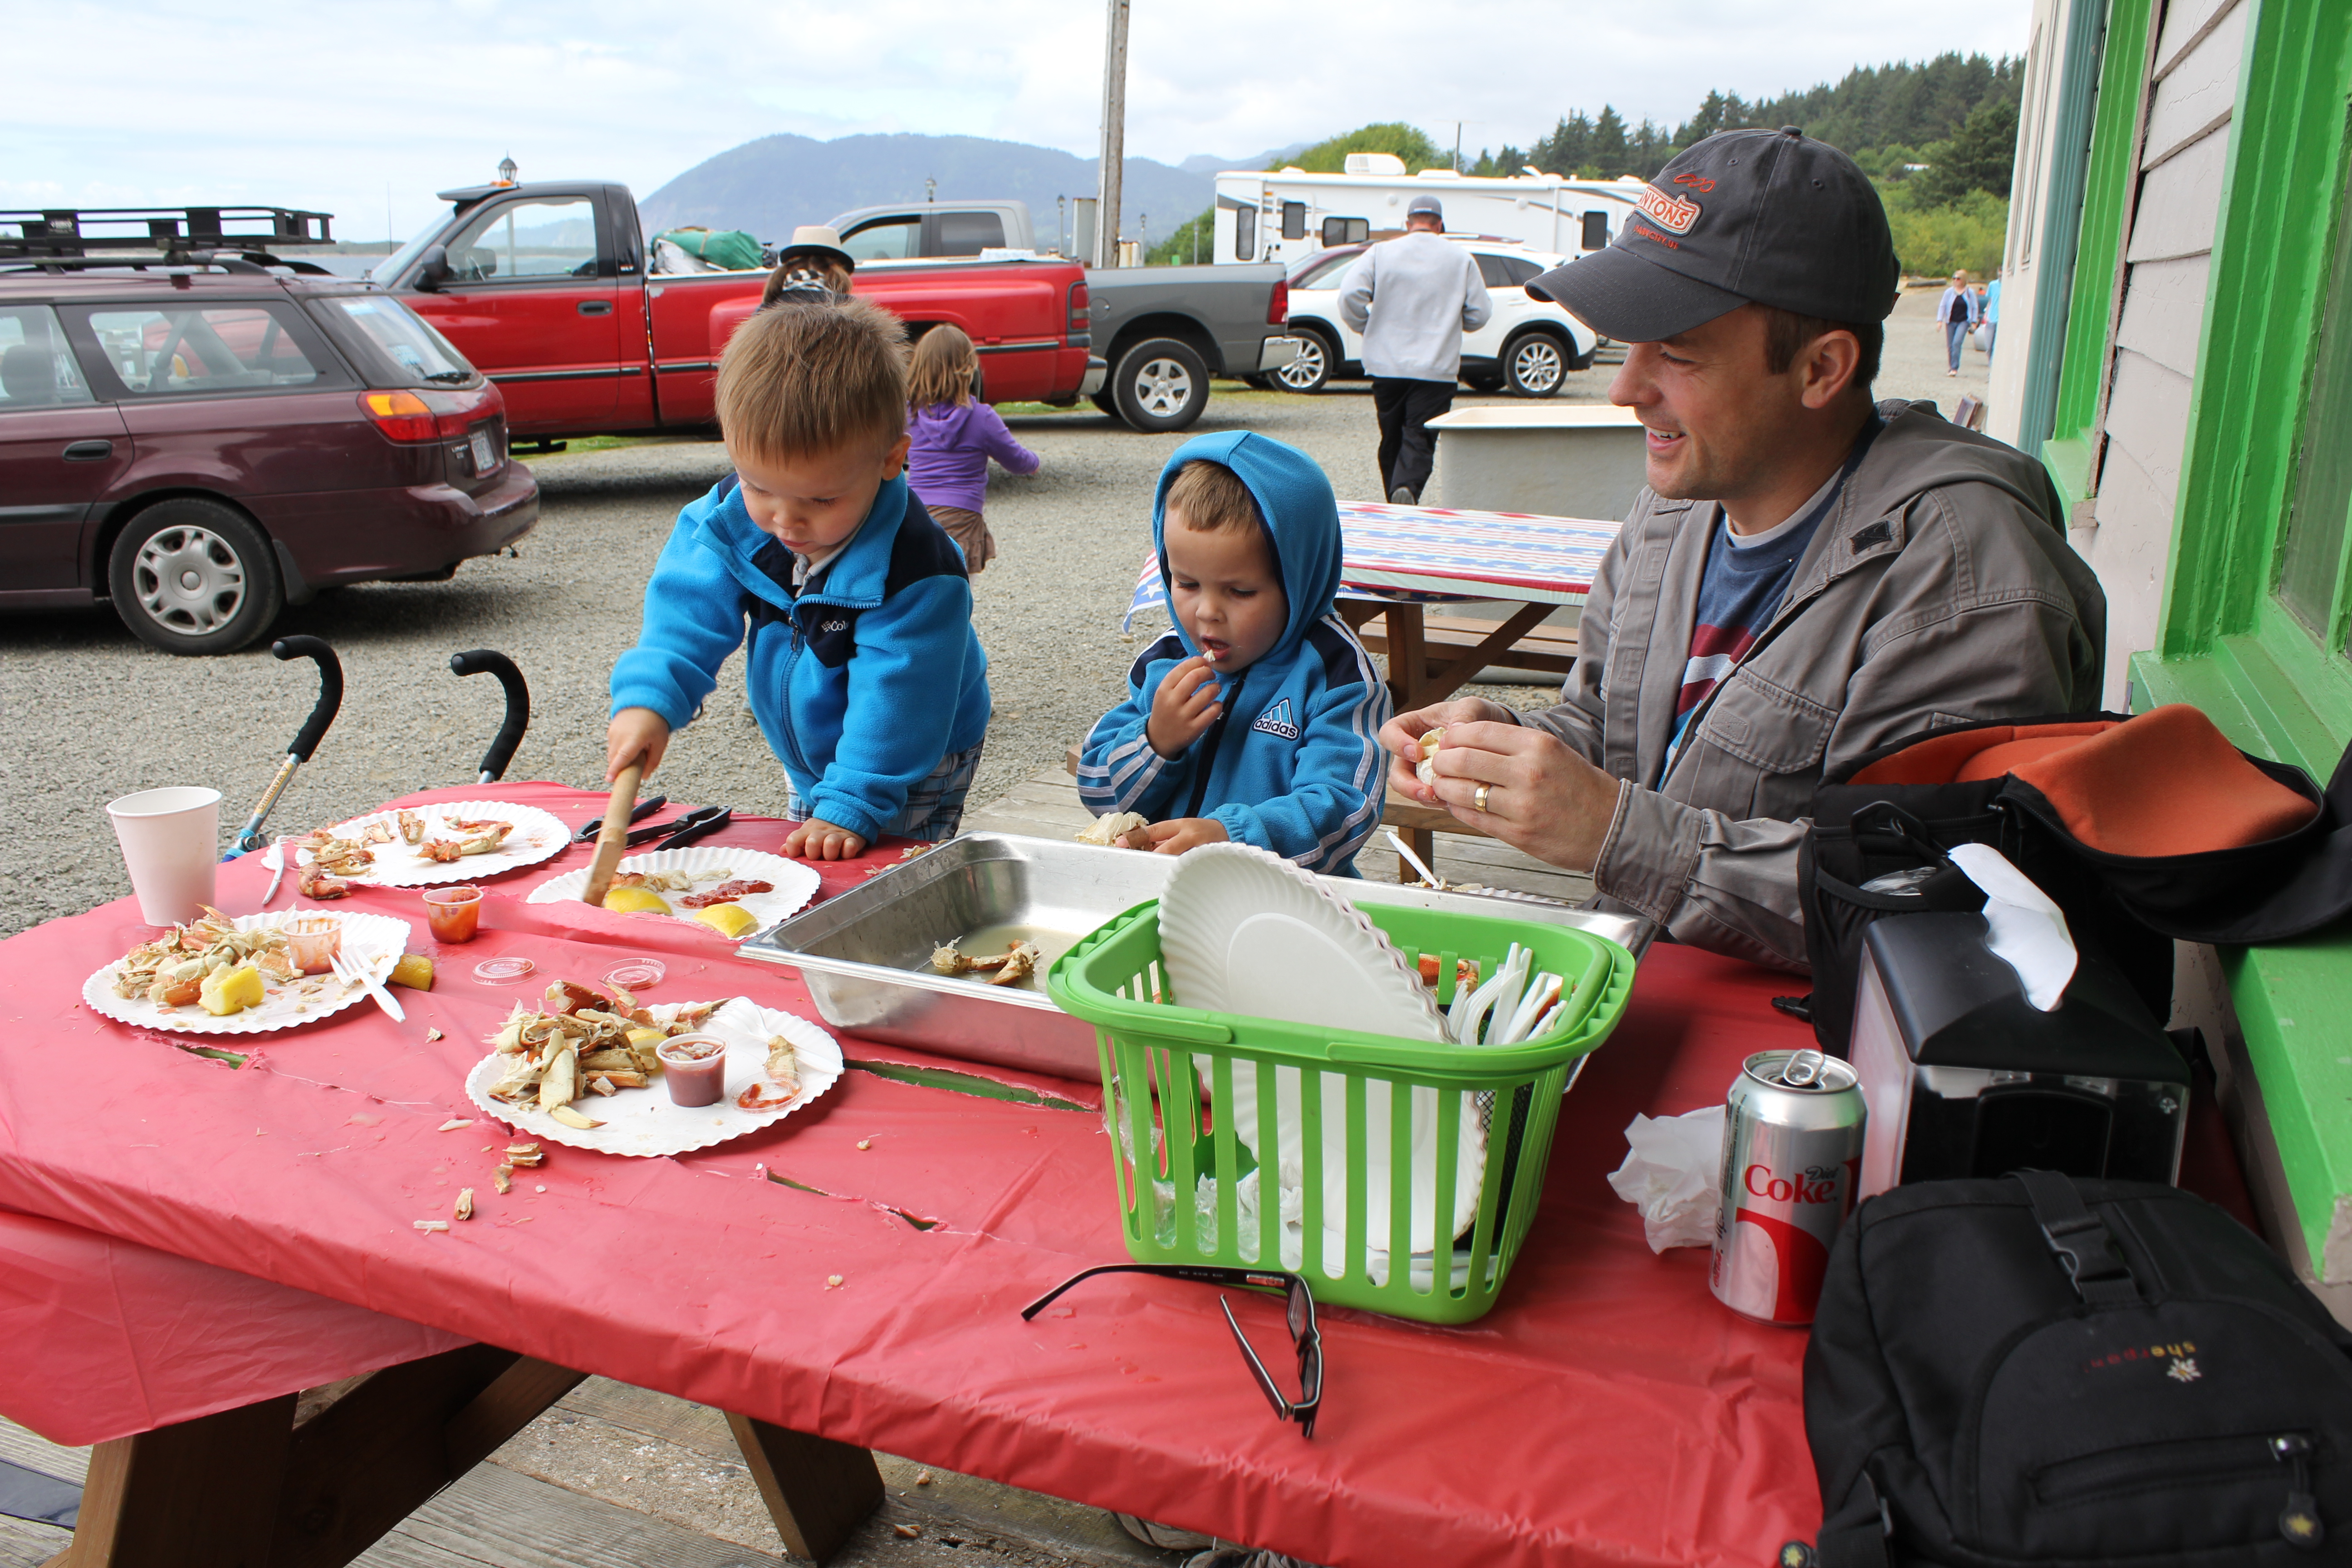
{"x":1772,"y":217}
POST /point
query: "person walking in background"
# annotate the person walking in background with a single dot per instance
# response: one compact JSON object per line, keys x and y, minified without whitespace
{"x":1413,"y":298}
{"x":947,"y":467}
{"x":1956,"y":311}
{"x":1991,"y":316}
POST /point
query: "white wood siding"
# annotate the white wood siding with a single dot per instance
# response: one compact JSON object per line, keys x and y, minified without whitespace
{"x":2167,"y":263}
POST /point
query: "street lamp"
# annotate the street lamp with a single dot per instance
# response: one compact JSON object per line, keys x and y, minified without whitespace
{"x":507,"y":170}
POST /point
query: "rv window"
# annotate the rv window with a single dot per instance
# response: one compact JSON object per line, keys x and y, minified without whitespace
{"x":1245,"y":234}
{"x":1294,"y":220}
{"x":1596,"y":231}
{"x":1347,"y":230}
{"x":969,"y":233}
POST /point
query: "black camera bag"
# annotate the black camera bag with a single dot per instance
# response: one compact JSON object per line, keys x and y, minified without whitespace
{"x":2034,"y":1372}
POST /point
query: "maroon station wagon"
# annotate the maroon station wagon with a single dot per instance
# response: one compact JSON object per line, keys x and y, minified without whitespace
{"x":202,"y":446}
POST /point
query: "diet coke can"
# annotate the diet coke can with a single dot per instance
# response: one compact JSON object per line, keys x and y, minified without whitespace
{"x":1791,"y":1156}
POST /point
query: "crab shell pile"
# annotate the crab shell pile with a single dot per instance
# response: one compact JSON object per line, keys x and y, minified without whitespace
{"x":582,"y":1043}
{"x":333,"y":859}
{"x":169,"y":970}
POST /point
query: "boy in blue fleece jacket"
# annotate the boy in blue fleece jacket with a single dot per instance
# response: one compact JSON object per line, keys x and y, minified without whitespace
{"x":865,"y":673}
{"x":1258,"y":718}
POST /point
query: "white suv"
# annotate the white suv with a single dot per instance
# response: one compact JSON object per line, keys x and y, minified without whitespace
{"x":1526,"y":347}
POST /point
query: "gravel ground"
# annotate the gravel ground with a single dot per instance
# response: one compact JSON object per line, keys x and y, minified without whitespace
{"x":96,"y":714}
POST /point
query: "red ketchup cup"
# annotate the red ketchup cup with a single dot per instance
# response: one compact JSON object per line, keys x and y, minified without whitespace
{"x":456,"y":912}
{"x":695,"y":1067}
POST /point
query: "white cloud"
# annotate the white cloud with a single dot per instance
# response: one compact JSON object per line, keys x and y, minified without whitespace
{"x":171,"y":101}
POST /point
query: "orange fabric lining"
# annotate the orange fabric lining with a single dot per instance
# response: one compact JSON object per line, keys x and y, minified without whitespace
{"x":1939,"y":759}
{"x":2167,"y":783}
{"x":2007,"y":757}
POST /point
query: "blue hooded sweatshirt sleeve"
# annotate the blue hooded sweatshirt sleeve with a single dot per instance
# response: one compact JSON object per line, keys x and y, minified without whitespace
{"x":1293,"y":764}
{"x":861,"y":684}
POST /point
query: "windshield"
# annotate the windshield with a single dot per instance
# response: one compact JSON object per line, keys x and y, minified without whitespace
{"x":401,"y":260}
{"x":406,"y":339}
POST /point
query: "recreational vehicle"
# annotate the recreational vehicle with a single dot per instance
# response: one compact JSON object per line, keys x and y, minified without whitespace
{"x":1287,"y":215}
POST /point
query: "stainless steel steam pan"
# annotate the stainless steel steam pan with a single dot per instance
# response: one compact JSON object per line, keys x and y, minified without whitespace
{"x":865,"y":955}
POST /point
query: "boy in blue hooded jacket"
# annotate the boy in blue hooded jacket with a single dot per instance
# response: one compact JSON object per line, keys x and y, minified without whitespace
{"x":1257,"y":717}
{"x":865,"y":673}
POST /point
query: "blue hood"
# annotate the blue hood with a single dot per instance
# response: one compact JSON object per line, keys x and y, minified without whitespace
{"x":1300,"y":511}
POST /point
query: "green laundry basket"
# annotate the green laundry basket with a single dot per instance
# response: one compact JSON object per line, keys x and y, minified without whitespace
{"x":1188,"y":1179}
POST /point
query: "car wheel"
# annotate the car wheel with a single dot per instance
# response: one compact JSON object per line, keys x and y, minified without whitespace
{"x":1161,"y":384}
{"x":1535,"y":365}
{"x":192,"y":576}
{"x":1483,"y":380}
{"x":1311,"y":371}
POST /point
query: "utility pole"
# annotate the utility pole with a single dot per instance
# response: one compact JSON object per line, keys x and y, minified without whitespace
{"x":1114,"y":134}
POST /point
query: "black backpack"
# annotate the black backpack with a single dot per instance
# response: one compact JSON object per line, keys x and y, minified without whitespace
{"x":2038,"y":1371}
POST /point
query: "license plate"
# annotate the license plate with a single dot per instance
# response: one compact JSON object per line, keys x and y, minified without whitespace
{"x":485,"y":457}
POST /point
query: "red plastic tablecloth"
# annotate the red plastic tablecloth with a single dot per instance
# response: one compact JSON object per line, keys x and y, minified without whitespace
{"x":1607,"y":1411}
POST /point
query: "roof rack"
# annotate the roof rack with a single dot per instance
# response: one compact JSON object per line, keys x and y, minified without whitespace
{"x":177,"y":232}
{"x":246,"y":261}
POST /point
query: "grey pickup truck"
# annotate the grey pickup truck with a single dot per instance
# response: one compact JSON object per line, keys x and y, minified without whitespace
{"x":1164,"y":331}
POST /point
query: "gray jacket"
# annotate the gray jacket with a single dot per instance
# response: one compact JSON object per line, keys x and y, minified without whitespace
{"x":1939,"y":589}
{"x":1419,"y":294}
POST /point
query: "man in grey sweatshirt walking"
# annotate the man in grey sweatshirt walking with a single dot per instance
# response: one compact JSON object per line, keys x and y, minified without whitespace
{"x":1413,"y":298}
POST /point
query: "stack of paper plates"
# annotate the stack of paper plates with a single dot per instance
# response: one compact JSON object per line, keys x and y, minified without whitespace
{"x":1244,"y":932}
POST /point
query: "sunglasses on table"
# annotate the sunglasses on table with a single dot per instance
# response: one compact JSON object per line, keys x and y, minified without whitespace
{"x":1299,"y":1312}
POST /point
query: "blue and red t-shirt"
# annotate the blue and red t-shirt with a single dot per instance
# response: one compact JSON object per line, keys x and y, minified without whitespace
{"x":1741,"y":590}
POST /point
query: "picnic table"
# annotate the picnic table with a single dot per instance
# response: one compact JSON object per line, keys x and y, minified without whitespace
{"x":185,"y":1245}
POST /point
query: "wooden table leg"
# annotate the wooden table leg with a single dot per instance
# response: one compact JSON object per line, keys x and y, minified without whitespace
{"x":1409,"y":683}
{"x":817,"y":1490}
{"x":202,"y":1494}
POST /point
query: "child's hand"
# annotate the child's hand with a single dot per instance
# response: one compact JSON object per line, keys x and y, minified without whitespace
{"x":634,"y":732}
{"x":817,"y":840}
{"x":1186,"y":833}
{"x":1183,"y":708}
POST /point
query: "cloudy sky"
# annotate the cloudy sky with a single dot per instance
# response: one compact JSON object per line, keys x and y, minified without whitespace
{"x":364,"y":112}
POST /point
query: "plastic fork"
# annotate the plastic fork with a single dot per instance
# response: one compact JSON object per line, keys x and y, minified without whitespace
{"x":354,"y":972}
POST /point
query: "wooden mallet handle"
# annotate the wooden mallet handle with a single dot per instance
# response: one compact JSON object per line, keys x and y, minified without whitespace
{"x":613,"y":838}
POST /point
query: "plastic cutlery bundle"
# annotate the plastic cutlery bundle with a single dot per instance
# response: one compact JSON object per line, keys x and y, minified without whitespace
{"x":1509,"y":1007}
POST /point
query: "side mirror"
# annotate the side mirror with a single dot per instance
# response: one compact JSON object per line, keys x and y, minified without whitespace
{"x":433,"y":267}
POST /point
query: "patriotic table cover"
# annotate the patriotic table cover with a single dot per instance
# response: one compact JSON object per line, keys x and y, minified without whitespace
{"x":1437,"y":554}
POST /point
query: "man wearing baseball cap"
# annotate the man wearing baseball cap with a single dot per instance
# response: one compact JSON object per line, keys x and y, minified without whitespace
{"x":1807,"y":577}
{"x":1413,"y":298}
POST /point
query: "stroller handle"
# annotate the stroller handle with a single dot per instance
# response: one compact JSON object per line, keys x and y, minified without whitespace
{"x":475,"y":661}
{"x":330,"y":692}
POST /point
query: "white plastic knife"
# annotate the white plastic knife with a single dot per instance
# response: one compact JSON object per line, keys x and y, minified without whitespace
{"x":275,"y":858}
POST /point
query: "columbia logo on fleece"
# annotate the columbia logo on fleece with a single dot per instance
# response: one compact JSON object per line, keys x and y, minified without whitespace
{"x":1277,"y":720}
{"x":834,"y":625}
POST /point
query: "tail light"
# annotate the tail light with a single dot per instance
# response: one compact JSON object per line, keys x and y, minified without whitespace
{"x":409,"y":417}
{"x":1277,"y":309}
{"x":1081,"y":307}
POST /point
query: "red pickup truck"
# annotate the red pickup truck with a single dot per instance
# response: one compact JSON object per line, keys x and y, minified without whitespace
{"x":544,"y":287}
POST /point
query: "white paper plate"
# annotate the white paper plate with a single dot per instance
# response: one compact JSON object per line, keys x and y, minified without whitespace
{"x":643,"y":1122}
{"x":536,"y":837}
{"x":794,"y":882}
{"x":1241,"y":930}
{"x":380,"y":939}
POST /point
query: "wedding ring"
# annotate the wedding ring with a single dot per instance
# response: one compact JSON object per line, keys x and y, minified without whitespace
{"x":1478,"y":799}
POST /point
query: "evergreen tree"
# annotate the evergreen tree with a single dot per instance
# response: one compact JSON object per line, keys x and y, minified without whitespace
{"x":1608,"y":154}
{"x":1569,"y":147}
{"x":1650,"y":150}
{"x":1978,"y":156}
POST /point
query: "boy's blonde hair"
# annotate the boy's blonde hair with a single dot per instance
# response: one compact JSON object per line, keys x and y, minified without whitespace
{"x":800,"y":380}
{"x":1214,"y":499}
{"x":942,"y":371}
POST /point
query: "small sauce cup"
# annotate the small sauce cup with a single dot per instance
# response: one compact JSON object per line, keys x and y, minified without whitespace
{"x":312,"y":941}
{"x":456,"y":912}
{"x":695,"y":1067}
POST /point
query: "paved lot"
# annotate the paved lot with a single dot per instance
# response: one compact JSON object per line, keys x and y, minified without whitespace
{"x":93,"y":714}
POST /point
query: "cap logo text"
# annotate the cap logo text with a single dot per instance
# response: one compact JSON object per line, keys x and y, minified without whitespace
{"x":1666,"y":210}
{"x":1646,"y":232}
{"x":1696,"y":182}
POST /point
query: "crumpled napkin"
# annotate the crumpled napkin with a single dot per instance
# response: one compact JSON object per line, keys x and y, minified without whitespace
{"x":2022,"y":926}
{"x":1673,"y":1165}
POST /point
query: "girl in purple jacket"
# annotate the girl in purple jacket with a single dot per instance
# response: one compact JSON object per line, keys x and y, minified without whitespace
{"x":954,"y":437}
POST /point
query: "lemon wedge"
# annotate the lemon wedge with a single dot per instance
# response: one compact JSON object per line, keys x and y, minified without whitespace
{"x":648,"y":1037}
{"x":636,"y":901}
{"x":231,"y":990}
{"x":727,"y":920}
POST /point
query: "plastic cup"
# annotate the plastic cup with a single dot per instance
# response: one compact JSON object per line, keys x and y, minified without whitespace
{"x":455,"y":913}
{"x":312,"y":941}
{"x":694,"y":1066}
{"x":171,"y":846}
